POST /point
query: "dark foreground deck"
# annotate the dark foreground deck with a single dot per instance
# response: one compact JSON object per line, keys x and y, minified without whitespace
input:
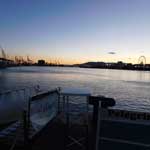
{"x":53,"y":136}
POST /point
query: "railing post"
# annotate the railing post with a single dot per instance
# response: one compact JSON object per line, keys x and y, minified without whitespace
{"x":98,"y":128}
{"x":59,"y":89}
{"x":25,"y":130}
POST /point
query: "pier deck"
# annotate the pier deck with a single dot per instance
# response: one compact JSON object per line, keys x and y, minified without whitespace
{"x":53,"y":136}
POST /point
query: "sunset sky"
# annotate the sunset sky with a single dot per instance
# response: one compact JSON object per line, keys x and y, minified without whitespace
{"x":76,"y":31}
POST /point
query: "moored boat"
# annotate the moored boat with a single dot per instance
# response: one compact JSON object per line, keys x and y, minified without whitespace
{"x":2,"y":63}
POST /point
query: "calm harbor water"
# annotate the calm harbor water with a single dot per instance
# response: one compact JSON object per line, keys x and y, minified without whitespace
{"x":131,"y":89}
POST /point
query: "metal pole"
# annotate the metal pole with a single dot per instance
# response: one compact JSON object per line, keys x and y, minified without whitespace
{"x":98,"y":126}
{"x":87,"y":122}
{"x":67,"y":111}
{"x":25,"y":127}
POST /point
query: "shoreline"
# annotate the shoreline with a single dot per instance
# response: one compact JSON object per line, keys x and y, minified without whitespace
{"x":72,"y":66}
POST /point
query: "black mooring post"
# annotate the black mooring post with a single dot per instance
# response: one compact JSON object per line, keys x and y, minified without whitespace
{"x":93,"y":100}
{"x":105,"y":103}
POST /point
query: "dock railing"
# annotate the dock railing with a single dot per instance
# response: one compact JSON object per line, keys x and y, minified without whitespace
{"x":41,"y":109}
{"x":25,"y":91}
{"x":13,"y":101}
{"x":123,"y":118}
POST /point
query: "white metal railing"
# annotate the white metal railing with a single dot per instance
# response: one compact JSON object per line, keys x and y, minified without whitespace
{"x":42,"y":108}
{"x":114,"y":140}
{"x":23,"y":93}
{"x":36,"y":88}
{"x":14,"y":101}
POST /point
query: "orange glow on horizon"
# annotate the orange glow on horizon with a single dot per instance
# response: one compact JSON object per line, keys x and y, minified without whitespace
{"x":70,"y":61}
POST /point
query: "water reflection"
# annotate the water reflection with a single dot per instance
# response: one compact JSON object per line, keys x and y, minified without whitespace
{"x":130,"y":88}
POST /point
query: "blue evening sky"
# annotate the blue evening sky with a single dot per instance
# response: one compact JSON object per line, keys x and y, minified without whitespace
{"x":75,"y":31}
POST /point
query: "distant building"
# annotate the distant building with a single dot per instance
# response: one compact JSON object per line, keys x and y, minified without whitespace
{"x":120,"y":65}
{"x":93,"y":65}
{"x":110,"y":65}
{"x":41,"y":62}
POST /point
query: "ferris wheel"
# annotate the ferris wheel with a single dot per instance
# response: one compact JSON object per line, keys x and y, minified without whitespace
{"x":142,"y":60}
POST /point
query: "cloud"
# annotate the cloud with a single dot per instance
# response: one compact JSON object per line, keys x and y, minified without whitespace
{"x":112,"y":53}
